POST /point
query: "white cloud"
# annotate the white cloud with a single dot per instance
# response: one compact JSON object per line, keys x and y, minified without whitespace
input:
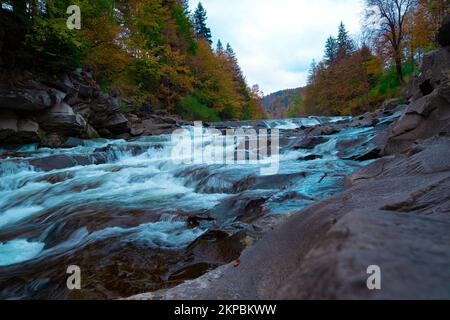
{"x":276,"y":40}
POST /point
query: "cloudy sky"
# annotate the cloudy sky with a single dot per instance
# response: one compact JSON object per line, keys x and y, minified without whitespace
{"x":276,"y":40}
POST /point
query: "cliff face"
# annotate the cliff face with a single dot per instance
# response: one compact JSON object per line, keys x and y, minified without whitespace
{"x":49,"y":112}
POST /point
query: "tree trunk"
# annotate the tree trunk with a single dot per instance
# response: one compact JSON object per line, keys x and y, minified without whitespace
{"x":398,"y":66}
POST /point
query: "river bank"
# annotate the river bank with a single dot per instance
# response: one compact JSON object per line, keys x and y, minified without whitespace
{"x":393,"y":214}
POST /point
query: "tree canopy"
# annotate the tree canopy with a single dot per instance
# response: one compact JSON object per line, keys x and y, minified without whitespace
{"x":150,"y":50}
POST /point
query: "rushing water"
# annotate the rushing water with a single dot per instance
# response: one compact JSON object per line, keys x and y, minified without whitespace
{"x":138,"y":221}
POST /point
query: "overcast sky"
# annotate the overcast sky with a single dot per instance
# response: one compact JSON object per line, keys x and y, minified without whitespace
{"x":276,"y":40}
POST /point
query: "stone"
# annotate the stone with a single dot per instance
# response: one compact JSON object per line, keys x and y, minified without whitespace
{"x":85,"y":91}
{"x":28,"y":132}
{"x":57,"y":162}
{"x":407,"y":123}
{"x":8,"y":125}
{"x":31,"y":100}
{"x":435,"y":64}
{"x":310,"y":157}
{"x":63,"y":120}
{"x":117,"y":123}
{"x":309,"y":143}
{"x":51,"y":140}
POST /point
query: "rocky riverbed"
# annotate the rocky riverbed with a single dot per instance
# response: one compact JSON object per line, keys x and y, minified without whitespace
{"x":84,"y":183}
{"x":394,"y":214}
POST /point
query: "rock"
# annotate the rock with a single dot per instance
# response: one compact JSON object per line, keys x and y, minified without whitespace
{"x":390,"y":104}
{"x":323,"y":252}
{"x":31,"y":100}
{"x":309,"y":143}
{"x":443,"y":36}
{"x":406,"y":123}
{"x":52,"y":140}
{"x":425,"y":118}
{"x":367,"y":120}
{"x":324,"y":130}
{"x":73,"y":143}
{"x":64,"y":85}
{"x":62,"y":119}
{"x":85,"y":91}
{"x":8,"y":125}
{"x":310,"y":157}
{"x":117,"y":123}
{"x":114,"y":103}
{"x":137,"y":130}
{"x":28,"y":132}
{"x":57,"y":162}
{"x":91,"y":133}
{"x":151,"y":128}
{"x":434,"y":67}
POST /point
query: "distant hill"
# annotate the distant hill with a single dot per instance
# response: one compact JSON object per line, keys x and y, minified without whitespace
{"x":284,"y":103}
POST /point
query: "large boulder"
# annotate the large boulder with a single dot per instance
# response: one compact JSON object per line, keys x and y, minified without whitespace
{"x":8,"y":125}
{"x":434,"y":68}
{"x":27,"y":99}
{"x":28,"y":131}
{"x":117,"y":123}
{"x":63,"y":120}
{"x":425,"y":118}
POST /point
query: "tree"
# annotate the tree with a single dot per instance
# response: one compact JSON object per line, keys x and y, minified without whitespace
{"x":219,"y":48}
{"x":388,"y":17}
{"x":312,"y":72}
{"x":185,"y":6}
{"x":201,"y":29}
{"x":345,"y":45}
{"x":331,"y":50}
{"x":231,"y":57}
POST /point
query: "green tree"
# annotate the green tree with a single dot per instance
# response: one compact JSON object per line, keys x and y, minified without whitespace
{"x":219,"y":48}
{"x":345,"y":45}
{"x":331,"y":50}
{"x":201,"y":29}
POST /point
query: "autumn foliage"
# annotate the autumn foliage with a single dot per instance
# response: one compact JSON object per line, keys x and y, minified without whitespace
{"x":150,"y":50}
{"x":355,"y":78}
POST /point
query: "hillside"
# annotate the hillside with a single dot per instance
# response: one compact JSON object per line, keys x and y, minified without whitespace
{"x":156,"y":54}
{"x":284,"y":103}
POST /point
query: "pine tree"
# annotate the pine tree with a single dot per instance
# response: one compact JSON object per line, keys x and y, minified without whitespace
{"x":331,"y":50}
{"x":344,"y":42}
{"x":185,"y":6}
{"x":219,"y":48}
{"x":231,"y":56}
{"x":312,"y":72}
{"x":201,"y":29}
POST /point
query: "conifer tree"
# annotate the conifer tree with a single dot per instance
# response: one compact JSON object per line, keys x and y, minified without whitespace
{"x":185,"y":6}
{"x":331,"y":50}
{"x":219,"y":48}
{"x":201,"y":29}
{"x":231,"y":56}
{"x":344,"y":42}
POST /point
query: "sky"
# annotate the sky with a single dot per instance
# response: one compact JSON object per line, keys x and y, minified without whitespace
{"x":276,"y":40}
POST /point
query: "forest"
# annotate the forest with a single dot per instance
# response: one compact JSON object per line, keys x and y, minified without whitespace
{"x":356,"y":76}
{"x":156,"y":52}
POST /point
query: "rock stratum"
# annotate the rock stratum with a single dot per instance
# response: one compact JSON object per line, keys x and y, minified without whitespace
{"x":394,"y":213}
{"x":50,"y":111}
